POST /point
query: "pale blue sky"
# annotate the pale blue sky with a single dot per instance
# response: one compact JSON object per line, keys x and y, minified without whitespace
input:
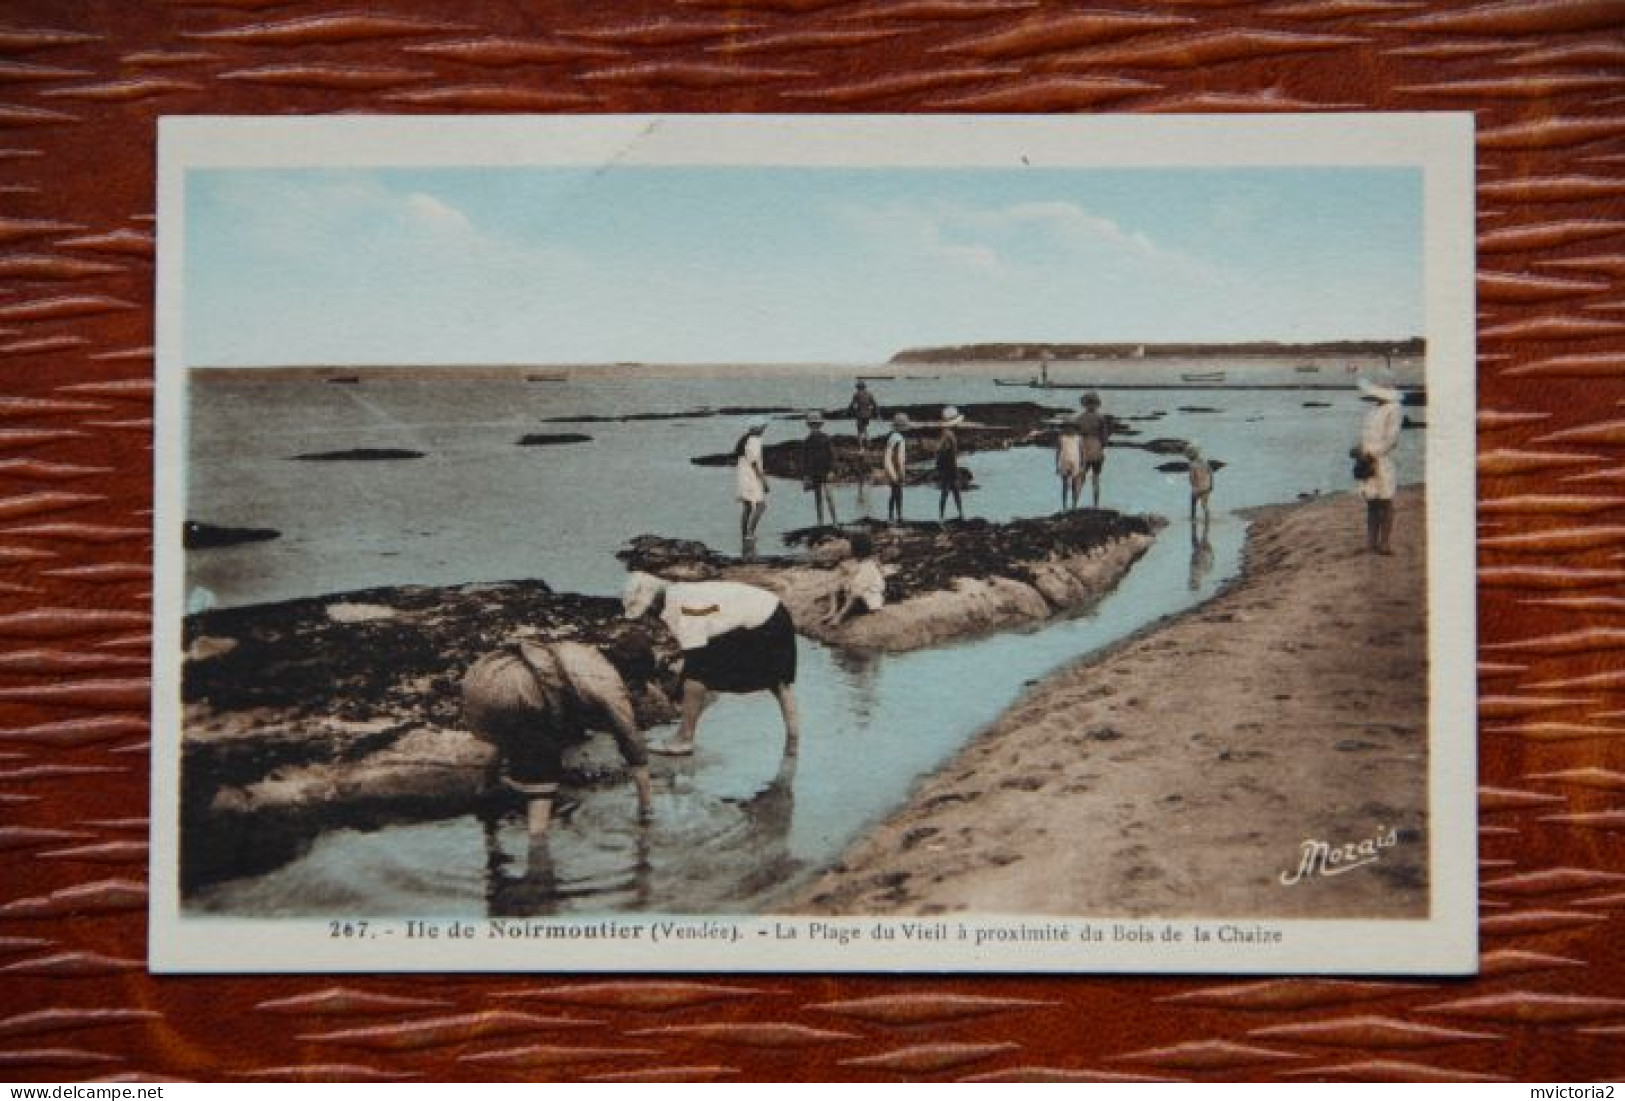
{"x":546,"y":265}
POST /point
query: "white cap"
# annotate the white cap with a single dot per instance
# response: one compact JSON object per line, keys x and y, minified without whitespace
{"x":1379,"y":391}
{"x":640,"y":592}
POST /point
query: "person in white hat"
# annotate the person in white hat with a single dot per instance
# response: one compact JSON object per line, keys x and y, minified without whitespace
{"x":948,"y":463}
{"x":1379,"y":436}
{"x":894,"y":463}
{"x":818,"y":465}
{"x":735,"y":638}
{"x":751,"y":480}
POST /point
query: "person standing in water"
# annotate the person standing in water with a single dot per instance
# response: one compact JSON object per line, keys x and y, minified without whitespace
{"x":817,"y":466}
{"x":1379,"y":436}
{"x":895,"y":465}
{"x":532,"y":700}
{"x":1201,"y":482}
{"x":735,"y":638}
{"x":948,"y":464}
{"x":864,"y":409}
{"x":751,"y":481}
{"x":1069,"y":463}
{"x":1093,"y":431}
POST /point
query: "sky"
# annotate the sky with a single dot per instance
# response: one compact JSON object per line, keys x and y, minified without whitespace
{"x":757,"y":265}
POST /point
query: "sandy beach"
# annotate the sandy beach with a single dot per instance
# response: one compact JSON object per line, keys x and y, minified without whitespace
{"x":1183,"y":772}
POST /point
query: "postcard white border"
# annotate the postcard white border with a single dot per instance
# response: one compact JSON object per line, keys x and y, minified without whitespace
{"x":1441,"y":145}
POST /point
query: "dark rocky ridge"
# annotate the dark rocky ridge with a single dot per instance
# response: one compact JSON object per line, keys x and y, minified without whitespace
{"x":196,"y":535}
{"x":357,"y":698}
{"x":1410,"y":348}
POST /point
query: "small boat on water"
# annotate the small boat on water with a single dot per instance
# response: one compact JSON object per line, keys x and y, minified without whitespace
{"x":1203,"y":376}
{"x":1307,"y":369}
{"x":551,"y":376}
{"x":344,"y":380}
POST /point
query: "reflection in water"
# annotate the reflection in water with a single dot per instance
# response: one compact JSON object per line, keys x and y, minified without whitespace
{"x":738,"y":844}
{"x":767,"y":817}
{"x":1201,"y":555}
{"x":861,"y":672}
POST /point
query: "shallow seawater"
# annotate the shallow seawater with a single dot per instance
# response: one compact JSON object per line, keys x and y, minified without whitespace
{"x":736,"y":828}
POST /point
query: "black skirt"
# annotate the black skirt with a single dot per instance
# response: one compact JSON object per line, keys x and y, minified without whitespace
{"x":749,"y":659}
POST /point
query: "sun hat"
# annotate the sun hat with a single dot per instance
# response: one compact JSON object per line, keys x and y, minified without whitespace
{"x":1191,"y":451}
{"x":1090,"y":399}
{"x":815,"y":417}
{"x":900,"y":420}
{"x":951,"y":416}
{"x":1378,"y":391}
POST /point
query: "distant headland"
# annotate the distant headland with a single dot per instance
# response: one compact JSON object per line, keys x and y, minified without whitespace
{"x":1409,"y":348}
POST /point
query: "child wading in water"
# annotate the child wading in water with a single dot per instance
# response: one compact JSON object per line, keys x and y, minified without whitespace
{"x":1069,"y":464}
{"x":895,"y":465}
{"x":818,"y":465}
{"x":1201,"y":482}
{"x":948,"y":463}
{"x":750,"y":481}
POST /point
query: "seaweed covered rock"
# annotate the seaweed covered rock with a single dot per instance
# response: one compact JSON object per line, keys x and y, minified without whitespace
{"x":346,"y":710}
{"x":943,"y":582}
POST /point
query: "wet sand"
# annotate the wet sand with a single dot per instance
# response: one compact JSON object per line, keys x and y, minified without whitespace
{"x":1182,"y":772}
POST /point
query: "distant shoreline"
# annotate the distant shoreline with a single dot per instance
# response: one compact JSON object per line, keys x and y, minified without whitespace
{"x":1408,"y":348}
{"x":543,"y":374}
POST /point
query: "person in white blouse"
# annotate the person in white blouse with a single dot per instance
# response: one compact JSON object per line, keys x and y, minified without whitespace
{"x":750,"y":480}
{"x":735,"y":638}
{"x":1379,"y":436}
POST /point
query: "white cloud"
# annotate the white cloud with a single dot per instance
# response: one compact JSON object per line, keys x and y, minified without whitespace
{"x":1021,"y":238}
{"x":435,"y":214}
{"x":922,"y":234}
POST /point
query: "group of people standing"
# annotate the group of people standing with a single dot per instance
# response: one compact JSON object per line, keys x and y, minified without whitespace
{"x":1080,"y":458}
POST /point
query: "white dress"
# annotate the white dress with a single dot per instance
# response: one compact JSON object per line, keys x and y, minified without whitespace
{"x":1378,"y":438}
{"x":750,"y":488}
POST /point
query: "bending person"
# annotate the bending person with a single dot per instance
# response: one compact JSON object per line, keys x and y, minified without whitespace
{"x":735,"y":638}
{"x":533,"y":700}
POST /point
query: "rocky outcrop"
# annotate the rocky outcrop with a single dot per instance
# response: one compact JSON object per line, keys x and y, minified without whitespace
{"x":989,"y":426}
{"x":549,"y":439}
{"x":360,"y":454}
{"x":197,"y":535}
{"x":312,"y":714}
{"x":944,"y":583}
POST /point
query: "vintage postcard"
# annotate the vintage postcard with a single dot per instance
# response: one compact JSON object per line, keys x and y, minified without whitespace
{"x":1021,"y":544}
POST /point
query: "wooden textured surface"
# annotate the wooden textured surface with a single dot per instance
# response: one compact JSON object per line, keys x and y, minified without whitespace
{"x":81,"y":85}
